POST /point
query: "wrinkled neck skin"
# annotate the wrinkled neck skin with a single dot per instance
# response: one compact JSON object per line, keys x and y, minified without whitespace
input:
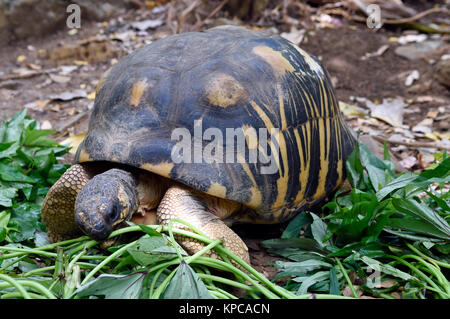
{"x":105,"y":201}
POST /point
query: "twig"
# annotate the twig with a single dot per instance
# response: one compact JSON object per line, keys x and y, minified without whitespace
{"x":416,"y":17}
{"x":27,"y":75}
{"x":217,"y":9}
{"x":412,"y":145}
{"x":170,"y":17}
{"x":186,"y":11}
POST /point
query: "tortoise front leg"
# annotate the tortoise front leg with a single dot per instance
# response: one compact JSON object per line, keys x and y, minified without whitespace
{"x":58,"y":205}
{"x":183,"y":204}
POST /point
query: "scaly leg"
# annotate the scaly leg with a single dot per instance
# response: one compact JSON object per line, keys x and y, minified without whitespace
{"x":181,"y":203}
{"x":58,"y":205}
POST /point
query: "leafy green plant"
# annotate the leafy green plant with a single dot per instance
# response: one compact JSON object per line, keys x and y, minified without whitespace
{"x":395,"y":225}
{"x":28,"y":168}
{"x":391,"y":225}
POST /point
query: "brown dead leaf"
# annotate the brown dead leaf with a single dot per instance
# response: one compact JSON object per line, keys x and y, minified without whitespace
{"x":46,"y":125}
{"x":38,"y":105}
{"x":390,"y":111}
{"x":21,"y":58}
{"x":91,"y":96}
{"x":55,"y":108}
{"x":69,"y":95}
{"x":387,"y":283}
{"x":351,"y":109}
{"x":60,"y":78}
{"x":396,"y":295}
{"x":433,"y":114}
{"x":34,"y":66}
{"x":347,"y":292}
{"x":71,"y":111}
{"x":408,"y":162}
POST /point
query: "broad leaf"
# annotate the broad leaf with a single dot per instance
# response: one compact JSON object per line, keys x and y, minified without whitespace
{"x":186,"y":285}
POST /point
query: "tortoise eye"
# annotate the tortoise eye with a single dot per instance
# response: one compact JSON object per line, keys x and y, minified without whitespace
{"x":113,"y":213}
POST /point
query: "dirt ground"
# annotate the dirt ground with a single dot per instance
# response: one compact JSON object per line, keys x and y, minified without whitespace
{"x":34,"y":81}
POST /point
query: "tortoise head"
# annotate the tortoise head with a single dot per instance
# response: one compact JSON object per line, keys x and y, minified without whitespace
{"x":104,"y":202}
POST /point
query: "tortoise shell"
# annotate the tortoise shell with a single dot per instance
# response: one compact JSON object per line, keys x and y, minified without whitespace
{"x":226,"y":78}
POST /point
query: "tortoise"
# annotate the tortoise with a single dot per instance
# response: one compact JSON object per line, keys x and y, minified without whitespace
{"x":239,"y":83}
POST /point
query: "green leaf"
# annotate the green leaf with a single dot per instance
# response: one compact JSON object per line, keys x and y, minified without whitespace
{"x":149,"y":231}
{"x":4,"y":218}
{"x":399,"y":182}
{"x":151,"y":250}
{"x":36,"y":138}
{"x":416,"y":225}
{"x":26,"y":219}
{"x":413,"y":208}
{"x":295,"y":225}
{"x":13,"y":174}
{"x":334,"y":283}
{"x":310,"y":280}
{"x":303,"y":266}
{"x":114,"y":286}
{"x":318,"y":229}
{"x":386,"y":269}
{"x":186,"y":285}
{"x":441,"y":171}
{"x":307,"y":244}
{"x":6,"y":196}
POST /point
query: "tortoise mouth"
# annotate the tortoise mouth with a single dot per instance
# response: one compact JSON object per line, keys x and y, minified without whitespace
{"x":96,"y":228}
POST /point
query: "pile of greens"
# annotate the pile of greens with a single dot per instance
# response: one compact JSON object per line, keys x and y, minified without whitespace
{"x":390,"y":232}
{"x":389,"y":235}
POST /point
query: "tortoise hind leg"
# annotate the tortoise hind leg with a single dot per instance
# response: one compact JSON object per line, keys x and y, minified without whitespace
{"x":58,"y":206}
{"x":181,"y":203}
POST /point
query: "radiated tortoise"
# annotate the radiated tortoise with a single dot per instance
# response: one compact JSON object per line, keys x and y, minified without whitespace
{"x":210,"y":127}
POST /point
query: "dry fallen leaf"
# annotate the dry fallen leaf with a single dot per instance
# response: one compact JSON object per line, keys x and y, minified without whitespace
{"x":46,"y":125}
{"x":59,"y":78}
{"x":295,"y":36}
{"x":81,"y":62}
{"x":379,"y":52}
{"x":351,"y":109}
{"x":433,"y":114}
{"x":414,"y":75}
{"x":69,"y":95}
{"x":71,"y":111}
{"x":390,"y":111}
{"x":147,"y":24}
{"x":38,"y":105}
{"x":21,"y":58}
{"x":408,"y":162}
{"x":91,"y":96}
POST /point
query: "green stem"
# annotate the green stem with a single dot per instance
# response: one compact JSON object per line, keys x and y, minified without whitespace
{"x":344,"y":272}
{"x":38,"y":270}
{"x":105,"y":261}
{"x":16,"y":284}
{"x":418,"y":252}
{"x":38,"y":287}
{"x":225,"y":281}
{"x":27,"y":251}
{"x":203,"y":251}
{"x":15,"y":295}
{"x":163,"y":285}
{"x":420,"y":274}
